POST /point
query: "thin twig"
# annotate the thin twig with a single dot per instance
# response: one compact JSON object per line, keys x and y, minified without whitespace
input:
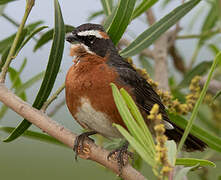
{"x":177,"y":59}
{"x":91,"y":151}
{"x":53,"y":97}
{"x":56,"y":108}
{"x":29,"y":5}
{"x":197,"y":36}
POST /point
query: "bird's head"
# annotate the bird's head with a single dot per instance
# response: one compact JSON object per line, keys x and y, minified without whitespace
{"x":90,"y":38}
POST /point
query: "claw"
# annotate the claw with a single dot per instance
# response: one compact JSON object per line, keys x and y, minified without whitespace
{"x":79,"y":142}
{"x":121,"y":155}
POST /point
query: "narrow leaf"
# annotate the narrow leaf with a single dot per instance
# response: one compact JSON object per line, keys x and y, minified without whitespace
{"x":20,"y":89}
{"x":119,"y":19}
{"x":216,"y":96}
{"x":4,"y":57}
{"x":50,"y":74}
{"x":15,"y":79}
{"x":214,"y":48}
{"x":157,"y":29}
{"x":210,"y":21}
{"x":8,"y":41}
{"x":6,"y":1}
{"x":199,"y":101}
{"x":32,"y":34}
{"x":211,"y":140}
{"x":201,"y":69}
{"x":107,"y":6}
{"x":95,"y":14}
{"x":183,"y":172}
{"x":171,"y":152}
{"x":193,"y":162}
{"x":136,"y":145}
{"x":139,"y":118}
{"x":129,"y":121}
{"x":34,"y":135}
{"x":142,"y":7}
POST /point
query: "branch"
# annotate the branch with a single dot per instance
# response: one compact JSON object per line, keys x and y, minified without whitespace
{"x":41,"y":120}
{"x":53,"y":97}
{"x":177,"y":59}
{"x":161,"y":51}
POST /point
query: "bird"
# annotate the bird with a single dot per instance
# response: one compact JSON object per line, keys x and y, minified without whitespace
{"x":89,"y":98}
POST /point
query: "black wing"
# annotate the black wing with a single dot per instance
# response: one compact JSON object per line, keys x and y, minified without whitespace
{"x":146,"y":97}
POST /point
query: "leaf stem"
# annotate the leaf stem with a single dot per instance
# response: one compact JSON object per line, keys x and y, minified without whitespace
{"x":199,"y":101}
{"x":53,"y":97}
{"x":29,"y":5}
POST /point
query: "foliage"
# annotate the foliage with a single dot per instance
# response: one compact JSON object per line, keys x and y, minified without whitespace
{"x":117,"y":17}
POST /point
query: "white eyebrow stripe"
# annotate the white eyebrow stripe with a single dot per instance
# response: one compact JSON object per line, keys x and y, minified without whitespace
{"x":90,"y":33}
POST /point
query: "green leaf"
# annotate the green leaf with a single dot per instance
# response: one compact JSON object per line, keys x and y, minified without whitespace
{"x":6,"y":1}
{"x":205,"y":118}
{"x":20,"y":89}
{"x":153,"y":33}
{"x":119,"y":19}
{"x":193,"y":162}
{"x":210,"y":21}
{"x":143,"y":137}
{"x":50,"y":74}
{"x":95,"y":14}
{"x":211,"y":140}
{"x":16,"y":81}
{"x":34,"y":135}
{"x":139,"y":118}
{"x":183,"y":172}
{"x":136,"y":145}
{"x":201,"y":69}
{"x":214,"y":49}
{"x":31,"y":35}
{"x":5,"y":43}
{"x":2,"y":8}
{"x":46,"y":37}
{"x":4,"y":57}
{"x":216,"y":96}
{"x":199,"y":101}
{"x":171,"y":151}
{"x":107,"y":6}
{"x":142,"y":7}
{"x":145,"y":62}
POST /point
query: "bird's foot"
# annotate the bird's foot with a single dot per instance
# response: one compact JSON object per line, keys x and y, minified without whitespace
{"x":79,"y":142}
{"x":121,"y":155}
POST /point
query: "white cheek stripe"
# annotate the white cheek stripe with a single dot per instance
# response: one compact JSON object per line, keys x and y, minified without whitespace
{"x":90,"y":33}
{"x":85,"y":47}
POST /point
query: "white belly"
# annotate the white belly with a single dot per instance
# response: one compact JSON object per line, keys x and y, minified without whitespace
{"x":95,"y":120}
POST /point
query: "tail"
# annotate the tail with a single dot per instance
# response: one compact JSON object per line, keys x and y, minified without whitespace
{"x":192,"y":143}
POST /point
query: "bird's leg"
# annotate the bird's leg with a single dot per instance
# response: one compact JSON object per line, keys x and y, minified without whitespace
{"x":121,"y":154}
{"x":79,"y":142}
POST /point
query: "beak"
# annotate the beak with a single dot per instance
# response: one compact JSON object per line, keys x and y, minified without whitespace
{"x":71,"y":38}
